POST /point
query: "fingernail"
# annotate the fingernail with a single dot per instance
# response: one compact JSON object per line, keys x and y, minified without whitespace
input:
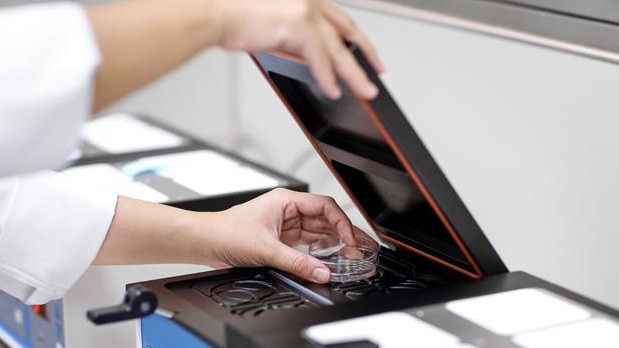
{"x":336,"y":92}
{"x":381,"y":66}
{"x":378,"y":65}
{"x":371,"y":91}
{"x":320,"y":275}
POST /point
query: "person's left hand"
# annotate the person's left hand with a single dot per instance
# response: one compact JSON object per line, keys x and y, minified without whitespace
{"x":263,"y":232}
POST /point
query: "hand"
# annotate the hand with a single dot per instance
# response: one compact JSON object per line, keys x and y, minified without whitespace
{"x":143,"y":39}
{"x":263,"y":232}
{"x":312,"y":29}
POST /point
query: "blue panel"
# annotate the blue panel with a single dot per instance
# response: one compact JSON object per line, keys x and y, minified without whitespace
{"x":46,"y":329}
{"x":5,"y":332}
{"x":15,"y":319}
{"x":160,"y":332}
{"x":29,"y":329}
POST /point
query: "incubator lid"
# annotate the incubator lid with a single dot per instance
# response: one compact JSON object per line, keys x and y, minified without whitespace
{"x":380,"y":161}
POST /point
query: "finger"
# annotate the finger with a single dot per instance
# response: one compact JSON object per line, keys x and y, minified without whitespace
{"x":358,"y":233}
{"x":352,"y":240}
{"x":345,"y":64}
{"x":300,"y":264}
{"x":313,"y":230}
{"x":320,"y":66}
{"x":323,"y":214}
{"x":309,"y":237}
{"x":351,"y":33}
{"x":318,"y":224}
{"x":306,"y":237}
{"x":311,"y":213}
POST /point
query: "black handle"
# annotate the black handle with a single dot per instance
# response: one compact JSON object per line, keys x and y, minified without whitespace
{"x":138,"y":302}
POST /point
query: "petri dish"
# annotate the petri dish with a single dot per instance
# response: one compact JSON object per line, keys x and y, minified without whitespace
{"x":346,"y":262}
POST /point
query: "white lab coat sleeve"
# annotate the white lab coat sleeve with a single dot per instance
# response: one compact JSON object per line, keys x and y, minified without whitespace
{"x":51,"y":229}
{"x":48,"y":59}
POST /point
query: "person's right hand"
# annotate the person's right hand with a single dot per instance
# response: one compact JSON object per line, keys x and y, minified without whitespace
{"x":261,"y":232}
{"x":315,"y":30}
{"x":265,"y":231}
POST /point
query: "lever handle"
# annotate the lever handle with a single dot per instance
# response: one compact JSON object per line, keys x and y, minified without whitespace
{"x":138,"y":302}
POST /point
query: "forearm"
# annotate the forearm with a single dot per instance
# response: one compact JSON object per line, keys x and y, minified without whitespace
{"x":146,"y":233}
{"x":259,"y":232}
{"x":142,"y":39}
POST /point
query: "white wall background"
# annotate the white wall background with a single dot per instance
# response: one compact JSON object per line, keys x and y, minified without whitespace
{"x":526,"y":135}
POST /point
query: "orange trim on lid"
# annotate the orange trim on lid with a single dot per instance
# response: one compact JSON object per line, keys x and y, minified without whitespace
{"x":424,"y":191}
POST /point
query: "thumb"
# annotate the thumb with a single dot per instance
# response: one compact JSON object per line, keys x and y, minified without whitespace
{"x":303,"y":265}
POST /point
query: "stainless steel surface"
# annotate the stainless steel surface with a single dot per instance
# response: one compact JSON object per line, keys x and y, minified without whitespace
{"x":588,"y":34}
{"x":600,"y":10}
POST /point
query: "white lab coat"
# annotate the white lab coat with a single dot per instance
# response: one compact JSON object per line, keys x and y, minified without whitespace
{"x":50,"y":230}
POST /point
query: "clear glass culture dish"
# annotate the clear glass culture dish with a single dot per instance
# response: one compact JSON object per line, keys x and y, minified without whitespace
{"x":347,"y":262}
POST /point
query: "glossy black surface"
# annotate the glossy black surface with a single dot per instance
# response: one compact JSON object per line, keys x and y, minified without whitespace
{"x":253,"y":295}
{"x":213,"y":322}
{"x":249,"y":295}
{"x":377,"y":156}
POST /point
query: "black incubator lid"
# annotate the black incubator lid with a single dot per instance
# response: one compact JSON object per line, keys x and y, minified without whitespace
{"x":377,"y":157}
